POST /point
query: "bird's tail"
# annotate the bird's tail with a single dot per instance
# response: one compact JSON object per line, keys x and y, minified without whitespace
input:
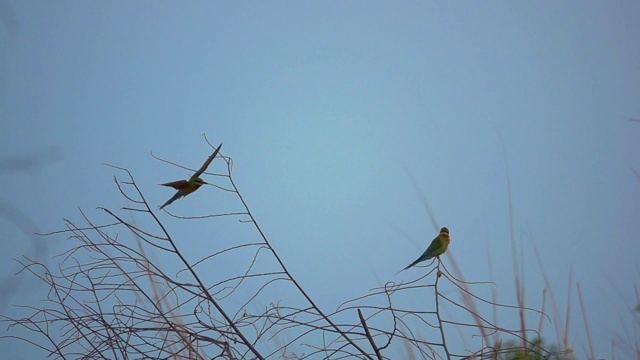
{"x":410,"y":265}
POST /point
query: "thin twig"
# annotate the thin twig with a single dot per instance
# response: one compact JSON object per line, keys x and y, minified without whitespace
{"x":369,"y":337}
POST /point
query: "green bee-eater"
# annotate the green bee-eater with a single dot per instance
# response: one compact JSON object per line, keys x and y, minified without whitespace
{"x":438,"y":247}
{"x":186,"y":187}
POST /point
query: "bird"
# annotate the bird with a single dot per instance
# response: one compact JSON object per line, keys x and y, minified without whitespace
{"x":438,"y":247}
{"x":186,"y":187}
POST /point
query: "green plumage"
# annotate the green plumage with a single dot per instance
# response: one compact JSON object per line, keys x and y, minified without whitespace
{"x":438,"y":246}
{"x":185,"y":187}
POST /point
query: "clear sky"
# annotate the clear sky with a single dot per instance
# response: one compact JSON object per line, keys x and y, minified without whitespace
{"x":322,"y":106}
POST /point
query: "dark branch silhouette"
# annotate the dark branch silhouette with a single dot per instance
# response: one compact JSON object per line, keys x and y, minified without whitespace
{"x":110,"y":297}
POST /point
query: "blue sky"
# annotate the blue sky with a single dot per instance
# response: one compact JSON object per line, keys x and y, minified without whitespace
{"x":322,"y":106}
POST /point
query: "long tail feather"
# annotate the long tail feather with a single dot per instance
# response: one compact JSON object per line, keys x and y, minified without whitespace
{"x":420,"y":259}
{"x":179,"y":184}
{"x":408,"y":266}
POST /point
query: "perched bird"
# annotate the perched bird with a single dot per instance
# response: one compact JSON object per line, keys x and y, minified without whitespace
{"x":438,"y":247}
{"x":186,"y":187}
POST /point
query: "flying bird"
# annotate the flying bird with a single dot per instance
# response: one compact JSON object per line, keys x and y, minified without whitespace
{"x":438,"y":247}
{"x":186,"y":187}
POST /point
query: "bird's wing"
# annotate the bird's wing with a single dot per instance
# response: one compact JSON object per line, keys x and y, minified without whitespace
{"x":427,"y":254}
{"x":180,"y":184}
{"x":204,"y":166}
{"x":173,"y":198}
{"x":435,"y":245}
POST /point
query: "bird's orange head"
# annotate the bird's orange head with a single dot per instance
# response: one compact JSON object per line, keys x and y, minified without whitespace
{"x":199,"y":181}
{"x":191,"y":186}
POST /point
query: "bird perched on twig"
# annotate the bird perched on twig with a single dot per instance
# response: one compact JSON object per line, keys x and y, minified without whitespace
{"x":186,"y":187}
{"x":438,"y":247}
